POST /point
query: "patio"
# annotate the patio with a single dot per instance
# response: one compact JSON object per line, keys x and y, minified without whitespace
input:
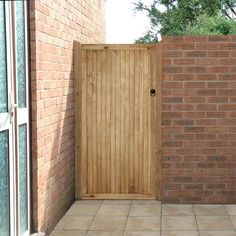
{"x":146,"y":218}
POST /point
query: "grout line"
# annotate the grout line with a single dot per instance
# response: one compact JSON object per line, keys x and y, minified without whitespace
{"x":127,"y":218}
{"x":161,"y":221}
{"x":229,"y":218}
{"x":100,"y":204}
{"x":195,"y":216}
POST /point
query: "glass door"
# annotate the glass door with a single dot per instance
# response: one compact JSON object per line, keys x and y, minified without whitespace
{"x":22,"y":126}
{"x":14,"y":120}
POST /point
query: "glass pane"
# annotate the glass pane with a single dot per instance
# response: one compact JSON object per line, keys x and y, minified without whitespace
{"x":3,"y":68}
{"x":20,"y":53}
{"x":4,"y":186}
{"x":23,"y":197}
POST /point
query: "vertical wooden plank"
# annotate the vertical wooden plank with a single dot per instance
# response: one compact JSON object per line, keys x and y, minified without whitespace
{"x":158,"y":119}
{"x":126,"y":121}
{"x":122,"y":122}
{"x":89,"y":115}
{"x":94,"y":119}
{"x":146,"y":118}
{"x":104,"y":148}
{"x":117,"y":117}
{"x":131,"y":121}
{"x":113,"y":121}
{"x":153,"y":112}
{"x":98,"y":102}
{"x":108,"y":121}
{"x":136,"y":120}
{"x":78,"y":101}
{"x":83,"y":124}
{"x":142,"y":94}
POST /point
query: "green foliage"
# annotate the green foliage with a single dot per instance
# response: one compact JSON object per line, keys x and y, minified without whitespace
{"x":178,"y":17}
{"x":206,"y":25}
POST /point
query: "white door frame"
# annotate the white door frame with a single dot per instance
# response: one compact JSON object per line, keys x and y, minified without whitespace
{"x":14,"y":117}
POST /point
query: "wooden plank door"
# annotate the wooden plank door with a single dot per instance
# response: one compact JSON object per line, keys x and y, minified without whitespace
{"x":117,"y":122}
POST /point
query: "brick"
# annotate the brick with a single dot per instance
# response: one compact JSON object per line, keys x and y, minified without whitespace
{"x":172,"y":39}
{"x":195,"y":38}
{"x":218,"y":38}
{"x":206,"y":107}
{"x":172,"y":100}
{"x":195,"y":54}
{"x":194,"y":85}
{"x":194,"y":129}
{"x":183,"y":61}
{"x":206,"y":77}
{"x":183,"y":122}
{"x":207,"y":46}
{"x":219,"y":53}
{"x":172,"y":69}
{"x":218,"y":99}
{"x":218,"y":69}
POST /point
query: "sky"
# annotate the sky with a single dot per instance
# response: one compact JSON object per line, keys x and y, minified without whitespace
{"x":123,"y":26}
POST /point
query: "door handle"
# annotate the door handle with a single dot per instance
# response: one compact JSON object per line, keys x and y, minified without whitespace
{"x":153,"y":92}
{"x":12,"y":107}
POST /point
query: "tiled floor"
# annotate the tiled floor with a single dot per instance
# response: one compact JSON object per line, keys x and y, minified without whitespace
{"x":146,"y":218}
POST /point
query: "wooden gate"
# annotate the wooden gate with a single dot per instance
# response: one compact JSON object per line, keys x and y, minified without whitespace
{"x":117,"y":121}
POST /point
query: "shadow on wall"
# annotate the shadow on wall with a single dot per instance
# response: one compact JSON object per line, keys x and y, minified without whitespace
{"x":53,"y":183}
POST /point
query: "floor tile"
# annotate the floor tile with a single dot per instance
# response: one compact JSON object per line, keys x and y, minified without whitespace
{"x":142,"y":233}
{"x":75,"y":222}
{"x":68,"y":233}
{"x":108,"y":223}
{"x":214,"y":223}
{"x":231,"y":209}
{"x":143,"y":223}
{"x":209,"y":210}
{"x":104,"y":233}
{"x":83,"y":210}
{"x":88,"y":202}
{"x":179,"y":233}
{"x":117,"y":202}
{"x":145,"y":202}
{"x":177,"y":210}
{"x":145,"y":210}
{"x":113,"y":210}
{"x":233,"y":220}
{"x":217,"y":233}
{"x":179,"y":223}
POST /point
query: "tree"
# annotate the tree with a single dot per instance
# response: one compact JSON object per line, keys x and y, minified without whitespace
{"x":179,"y":17}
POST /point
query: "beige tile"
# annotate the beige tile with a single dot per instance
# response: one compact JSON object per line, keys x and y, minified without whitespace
{"x":68,"y":233}
{"x":117,"y":202}
{"x":143,"y":223}
{"x":217,"y":233}
{"x":209,"y":210}
{"x":113,"y":210}
{"x":145,"y":202}
{"x":233,"y":220}
{"x":83,"y":210}
{"x":142,"y":233}
{"x":88,"y":202}
{"x":177,"y":210}
{"x":108,"y":223}
{"x":179,"y":223}
{"x":145,"y":210}
{"x":104,"y":233}
{"x":179,"y":233}
{"x":231,"y":209}
{"x":75,"y":222}
{"x":214,"y":223}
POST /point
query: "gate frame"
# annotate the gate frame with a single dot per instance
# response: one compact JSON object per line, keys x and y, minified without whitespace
{"x":156,"y":130}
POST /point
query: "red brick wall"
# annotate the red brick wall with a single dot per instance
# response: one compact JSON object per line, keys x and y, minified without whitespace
{"x":199,"y":119}
{"x":54,"y":25}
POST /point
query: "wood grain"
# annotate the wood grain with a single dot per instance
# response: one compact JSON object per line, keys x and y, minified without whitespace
{"x":120,"y":122}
